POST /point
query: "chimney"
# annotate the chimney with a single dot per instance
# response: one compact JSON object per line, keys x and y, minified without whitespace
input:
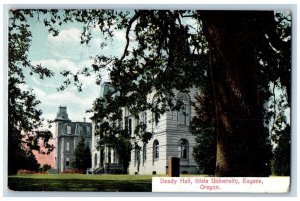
{"x":83,"y":119}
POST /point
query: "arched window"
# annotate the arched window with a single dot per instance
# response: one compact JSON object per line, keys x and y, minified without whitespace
{"x":185,"y":110}
{"x":183,"y":148}
{"x":155,"y":150}
{"x":67,"y":161}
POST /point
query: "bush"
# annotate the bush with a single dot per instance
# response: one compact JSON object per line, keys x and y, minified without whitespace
{"x":45,"y":167}
{"x":73,"y":171}
{"x":26,"y":172}
{"x":42,"y":172}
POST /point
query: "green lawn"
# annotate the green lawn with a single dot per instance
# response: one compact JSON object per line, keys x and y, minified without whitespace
{"x":80,"y":182}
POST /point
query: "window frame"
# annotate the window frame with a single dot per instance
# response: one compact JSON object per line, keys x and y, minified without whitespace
{"x":183,"y":114}
{"x":155,"y":149}
{"x":69,"y":130}
{"x":144,"y":153}
{"x":183,"y":149}
{"x":68,"y":146}
{"x":67,"y":161}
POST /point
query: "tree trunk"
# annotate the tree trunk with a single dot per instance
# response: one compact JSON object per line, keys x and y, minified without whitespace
{"x":233,"y":37}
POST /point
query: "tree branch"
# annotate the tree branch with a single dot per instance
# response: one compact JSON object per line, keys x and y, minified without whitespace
{"x":135,"y":17}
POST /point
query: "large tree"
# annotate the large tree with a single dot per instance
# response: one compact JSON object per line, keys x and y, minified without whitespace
{"x":233,"y":46}
{"x":24,"y":119}
{"x":82,"y":156}
{"x":203,"y":127}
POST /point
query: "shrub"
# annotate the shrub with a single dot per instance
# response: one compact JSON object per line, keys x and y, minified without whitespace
{"x":73,"y":171}
{"x":42,"y":172}
{"x":26,"y":172}
{"x":45,"y":167}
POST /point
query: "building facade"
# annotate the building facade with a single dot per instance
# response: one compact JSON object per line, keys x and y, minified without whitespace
{"x":67,"y":135}
{"x":171,"y":138}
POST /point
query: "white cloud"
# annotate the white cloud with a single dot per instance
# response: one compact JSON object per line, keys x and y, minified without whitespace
{"x":60,"y":55}
{"x":88,"y":82}
{"x":67,"y":97}
{"x":24,"y":87}
{"x":120,"y":36}
{"x":96,"y":42}
{"x":44,"y":84}
{"x":87,"y":63}
{"x":40,"y":93}
{"x":76,"y":104}
{"x":66,"y":35}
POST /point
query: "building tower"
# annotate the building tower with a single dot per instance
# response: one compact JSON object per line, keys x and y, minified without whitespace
{"x":67,"y":135}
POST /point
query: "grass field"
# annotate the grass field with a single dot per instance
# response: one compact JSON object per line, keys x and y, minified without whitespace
{"x":80,"y":183}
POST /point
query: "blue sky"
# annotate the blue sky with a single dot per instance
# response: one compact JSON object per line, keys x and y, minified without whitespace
{"x":64,"y":52}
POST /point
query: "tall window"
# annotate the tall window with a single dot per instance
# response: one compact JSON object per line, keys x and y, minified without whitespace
{"x":144,"y":153}
{"x":116,"y":157}
{"x":80,"y":130}
{"x":183,"y":148}
{"x":144,"y":118}
{"x":69,"y":130}
{"x":102,"y":156}
{"x":68,"y":146}
{"x":67,"y":161}
{"x":137,"y":156}
{"x":155,"y":150}
{"x":88,"y":130}
{"x":184,"y":112}
{"x":128,"y":125}
{"x":109,"y":154}
{"x":182,"y":115}
{"x":95,"y":159}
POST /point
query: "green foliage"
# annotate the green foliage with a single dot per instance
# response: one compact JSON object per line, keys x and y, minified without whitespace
{"x":24,"y":119}
{"x":281,"y":163}
{"x":204,"y":128}
{"x":203,"y":125}
{"x":45,"y":167}
{"x":27,"y":161}
{"x":275,"y":80}
{"x":82,"y":156}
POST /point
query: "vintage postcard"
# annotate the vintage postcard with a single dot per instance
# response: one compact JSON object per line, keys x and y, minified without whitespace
{"x":149,"y":100}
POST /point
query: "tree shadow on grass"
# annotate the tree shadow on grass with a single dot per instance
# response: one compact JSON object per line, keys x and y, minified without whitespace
{"x":79,"y":185}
